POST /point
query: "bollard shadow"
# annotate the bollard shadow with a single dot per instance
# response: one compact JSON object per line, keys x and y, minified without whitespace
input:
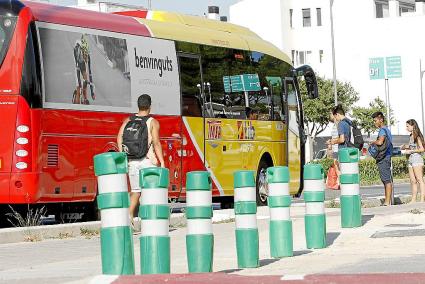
{"x":302,"y":252}
{"x":366,"y":219}
{"x":265,"y":262}
{"x":231,"y":270}
{"x":331,"y":237}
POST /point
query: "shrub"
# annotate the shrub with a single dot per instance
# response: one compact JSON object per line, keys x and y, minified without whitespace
{"x":368,"y":170}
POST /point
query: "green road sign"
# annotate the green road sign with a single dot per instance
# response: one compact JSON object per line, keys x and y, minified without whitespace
{"x":393,"y":67}
{"x":241,"y":83}
{"x":376,"y":68}
{"x":274,"y":81}
{"x":237,"y":83}
{"x":251,"y":82}
{"x":226,"y":83}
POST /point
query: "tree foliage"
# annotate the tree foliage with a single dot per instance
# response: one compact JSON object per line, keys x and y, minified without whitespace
{"x":363,"y":115}
{"x":316,"y":111}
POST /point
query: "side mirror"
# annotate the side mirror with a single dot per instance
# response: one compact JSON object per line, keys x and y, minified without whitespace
{"x":310,"y":79}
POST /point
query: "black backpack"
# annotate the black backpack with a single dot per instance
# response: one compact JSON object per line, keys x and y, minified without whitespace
{"x":136,"y":137}
{"x":356,"y":139}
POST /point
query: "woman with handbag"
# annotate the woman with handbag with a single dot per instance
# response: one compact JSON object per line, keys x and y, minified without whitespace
{"x":414,"y":151}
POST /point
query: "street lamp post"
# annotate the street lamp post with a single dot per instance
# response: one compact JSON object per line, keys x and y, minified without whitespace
{"x":421,"y":73}
{"x":331,"y":2}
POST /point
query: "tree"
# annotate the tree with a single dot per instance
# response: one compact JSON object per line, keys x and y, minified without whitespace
{"x":316,"y":111}
{"x":363,"y":115}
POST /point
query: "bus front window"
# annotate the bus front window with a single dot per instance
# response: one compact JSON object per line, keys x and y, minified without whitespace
{"x":7,"y":26}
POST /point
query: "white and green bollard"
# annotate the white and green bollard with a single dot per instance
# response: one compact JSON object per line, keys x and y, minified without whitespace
{"x":116,"y":238}
{"x":247,"y":243}
{"x":279,"y":201}
{"x":351,"y":215}
{"x":314,"y":197}
{"x":199,"y":238}
{"x":154,"y":212}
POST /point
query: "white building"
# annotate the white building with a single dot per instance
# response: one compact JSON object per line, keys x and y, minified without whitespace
{"x":363,"y":29}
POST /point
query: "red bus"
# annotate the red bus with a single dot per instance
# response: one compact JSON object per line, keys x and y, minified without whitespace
{"x":69,"y":77}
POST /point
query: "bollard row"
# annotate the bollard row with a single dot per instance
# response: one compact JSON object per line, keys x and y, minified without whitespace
{"x":154,"y":211}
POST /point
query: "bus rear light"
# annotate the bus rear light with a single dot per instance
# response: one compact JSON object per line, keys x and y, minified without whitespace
{"x":18,"y":184}
{"x":23,"y":128}
{"x":21,"y":153}
{"x":22,"y":141}
{"x":21,"y":165}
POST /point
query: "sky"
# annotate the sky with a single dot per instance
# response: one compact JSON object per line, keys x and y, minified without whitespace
{"x":192,"y":7}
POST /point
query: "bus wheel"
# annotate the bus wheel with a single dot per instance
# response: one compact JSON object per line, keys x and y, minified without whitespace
{"x":262,"y":189}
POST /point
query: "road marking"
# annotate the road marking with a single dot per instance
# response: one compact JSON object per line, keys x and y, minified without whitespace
{"x":292,"y":277}
{"x":104,"y":279}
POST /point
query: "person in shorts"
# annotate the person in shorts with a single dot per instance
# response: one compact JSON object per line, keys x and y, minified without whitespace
{"x":154,"y":156}
{"x":384,"y":165}
{"x":414,"y":151}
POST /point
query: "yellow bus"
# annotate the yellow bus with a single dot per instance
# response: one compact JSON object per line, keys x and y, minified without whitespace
{"x":241,"y":103}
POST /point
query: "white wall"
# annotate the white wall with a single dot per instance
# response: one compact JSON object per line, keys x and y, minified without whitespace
{"x":358,"y":37}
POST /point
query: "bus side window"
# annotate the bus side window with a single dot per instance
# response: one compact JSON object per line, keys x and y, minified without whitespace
{"x":237,"y":106}
{"x":260,"y":104}
{"x":215,"y":66}
{"x":190,"y":81}
{"x":31,"y":79}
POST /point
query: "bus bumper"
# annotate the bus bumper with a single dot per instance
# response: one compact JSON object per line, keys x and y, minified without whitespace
{"x":19,"y":188}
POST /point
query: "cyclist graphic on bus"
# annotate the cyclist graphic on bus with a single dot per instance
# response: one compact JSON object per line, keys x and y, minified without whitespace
{"x":83,"y":72}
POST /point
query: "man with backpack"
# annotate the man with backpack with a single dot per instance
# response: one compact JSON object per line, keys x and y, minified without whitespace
{"x":139,"y":138}
{"x":348,"y":133}
{"x":381,"y":149}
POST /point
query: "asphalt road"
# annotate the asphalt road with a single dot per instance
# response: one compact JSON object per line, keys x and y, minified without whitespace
{"x":373,"y":191}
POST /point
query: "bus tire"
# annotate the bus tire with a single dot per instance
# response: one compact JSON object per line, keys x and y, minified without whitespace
{"x":261,"y":181}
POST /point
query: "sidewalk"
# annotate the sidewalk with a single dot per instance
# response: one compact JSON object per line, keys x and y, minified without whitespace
{"x":391,"y":241}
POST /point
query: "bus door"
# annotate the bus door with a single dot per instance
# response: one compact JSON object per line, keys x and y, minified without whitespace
{"x":293,"y":153}
{"x":192,"y":101}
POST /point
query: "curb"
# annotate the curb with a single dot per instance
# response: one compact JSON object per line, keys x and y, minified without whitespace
{"x":177,"y":220}
{"x":372,"y":202}
{"x":60,"y":231}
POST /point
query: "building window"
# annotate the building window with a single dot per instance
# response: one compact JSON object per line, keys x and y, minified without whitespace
{"x":293,"y":57}
{"x":321,"y":56}
{"x":306,"y":18}
{"x":382,"y":10}
{"x":304,"y":57}
{"x":291,"y":13}
{"x":319,"y":17}
{"x":379,"y":11}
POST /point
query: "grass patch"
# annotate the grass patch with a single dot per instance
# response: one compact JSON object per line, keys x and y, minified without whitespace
{"x":31,"y":219}
{"x":332,"y":204}
{"x":89,"y":233}
{"x":32,"y":237}
{"x":230,"y":220}
{"x":65,"y":236}
{"x":415,"y":211}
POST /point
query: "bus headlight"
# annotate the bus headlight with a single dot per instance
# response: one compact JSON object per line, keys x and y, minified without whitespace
{"x":22,"y":141}
{"x":21,"y":165}
{"x":21,"y":153}
{"x":7,"y":23}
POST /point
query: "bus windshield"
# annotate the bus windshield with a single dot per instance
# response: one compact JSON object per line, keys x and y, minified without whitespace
{"x":7,"y":26}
